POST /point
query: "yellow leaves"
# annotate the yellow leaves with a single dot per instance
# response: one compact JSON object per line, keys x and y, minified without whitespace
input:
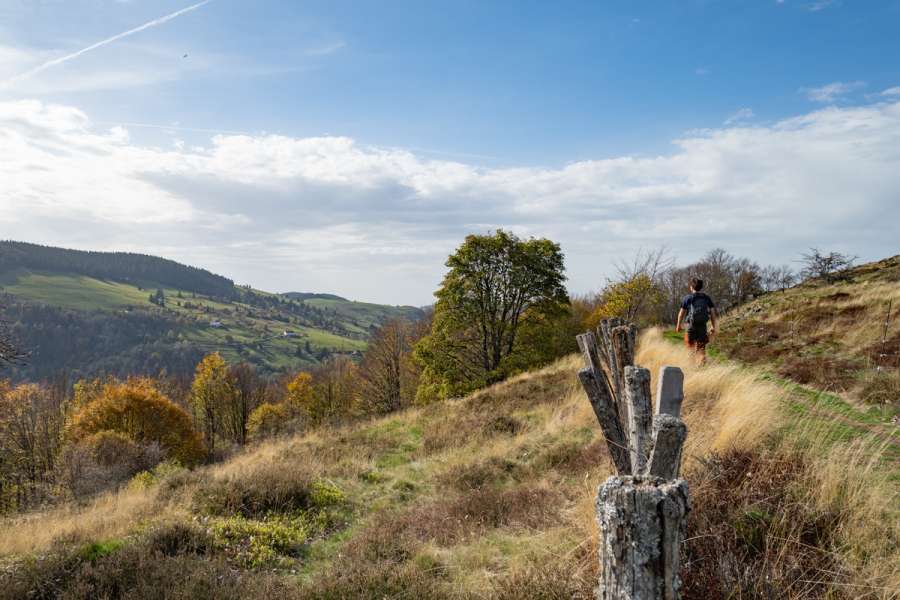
{"x":626,"y":299}
{"x":268,"y":419}
{"x":210,"y":382}
{"x":300,"y":391}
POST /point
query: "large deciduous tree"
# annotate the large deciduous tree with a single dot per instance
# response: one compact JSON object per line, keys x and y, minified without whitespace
{"x":496,"y":286}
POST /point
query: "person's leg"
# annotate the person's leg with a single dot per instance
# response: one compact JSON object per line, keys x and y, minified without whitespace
{"x":691,"y":343}
{"x":700,"y":346}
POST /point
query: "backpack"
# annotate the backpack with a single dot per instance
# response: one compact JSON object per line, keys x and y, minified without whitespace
{"x":698,"y":315}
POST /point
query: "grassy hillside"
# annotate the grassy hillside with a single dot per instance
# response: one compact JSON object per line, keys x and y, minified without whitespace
{"x":85,"y":323}
{"x":836,"y":337}
{"x":490,"y":496}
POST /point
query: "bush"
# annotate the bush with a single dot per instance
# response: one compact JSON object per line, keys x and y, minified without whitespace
{"x":133,"y":572}
{"x":270,"y":542}
{"x":104,"y":460}
{"x":273,"y":489}
{"x":881,"y":388}
{"x":748,"y":537}
{"x":176,"y":538}
{"x":142,"y":413}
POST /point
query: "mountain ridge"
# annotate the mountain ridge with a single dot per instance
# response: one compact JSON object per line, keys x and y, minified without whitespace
{"x":95,"y":313}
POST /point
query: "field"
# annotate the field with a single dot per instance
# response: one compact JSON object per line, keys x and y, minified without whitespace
{"x":491,"y":496}
{"x":271,"y":331}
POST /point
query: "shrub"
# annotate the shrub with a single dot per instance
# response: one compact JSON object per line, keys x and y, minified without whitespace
{"x":104,"y":460}
{"x":140,"y":412}
{"x":748,"y":537}
{"x":269,"y":542}
{"x":881,"y":388}
{"x":267,"y":490}
{"x":131,"y":572}
{"x":177,"y":537}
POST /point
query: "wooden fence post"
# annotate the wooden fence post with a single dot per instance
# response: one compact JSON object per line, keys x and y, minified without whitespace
{"x":641,"y":510}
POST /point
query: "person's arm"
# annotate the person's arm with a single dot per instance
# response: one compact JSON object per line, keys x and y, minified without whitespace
{"x":680,"y":317}
{"x":714,"y":319}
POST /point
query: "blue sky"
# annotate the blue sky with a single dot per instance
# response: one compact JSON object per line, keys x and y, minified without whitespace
{"x":348,"y":146}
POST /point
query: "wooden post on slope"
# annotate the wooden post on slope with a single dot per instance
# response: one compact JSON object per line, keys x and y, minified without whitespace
{"x":641,"y":510}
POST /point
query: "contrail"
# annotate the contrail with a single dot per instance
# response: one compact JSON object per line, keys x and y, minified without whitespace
{"x":68,"y":57}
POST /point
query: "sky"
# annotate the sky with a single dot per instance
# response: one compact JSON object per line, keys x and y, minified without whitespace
{"x":349,"y":147}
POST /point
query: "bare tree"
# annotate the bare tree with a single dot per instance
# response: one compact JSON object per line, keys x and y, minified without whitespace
{"x":247,"y":391}
{"x":10,"y":353}
{"x":825,"y":266}
{"x":638,"y":289}
{"x":777,"y":277}
{"x":388,"y":372}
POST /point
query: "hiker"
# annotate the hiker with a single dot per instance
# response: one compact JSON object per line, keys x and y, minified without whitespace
{"x":696,"y":310}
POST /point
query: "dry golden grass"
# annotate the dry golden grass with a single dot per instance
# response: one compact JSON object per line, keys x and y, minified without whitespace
{"x":474,"y":497}
{"x":110,"y":515}
{"x":851,"y":484}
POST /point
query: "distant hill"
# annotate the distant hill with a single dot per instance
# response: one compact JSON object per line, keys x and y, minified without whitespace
{"x":90,"y":313}
{"x":125,"y":267}
{"x":312,"y":296}
{"x":841,"y":336}
{"x":365,"y":314}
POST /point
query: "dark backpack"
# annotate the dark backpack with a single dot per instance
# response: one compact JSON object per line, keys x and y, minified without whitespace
{"x":698,"y":315}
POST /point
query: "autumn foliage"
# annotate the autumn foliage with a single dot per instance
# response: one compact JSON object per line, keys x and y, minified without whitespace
{"x":136,"y":409}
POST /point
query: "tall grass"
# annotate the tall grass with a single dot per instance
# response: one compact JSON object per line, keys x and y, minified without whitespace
{"x":492,"y":496}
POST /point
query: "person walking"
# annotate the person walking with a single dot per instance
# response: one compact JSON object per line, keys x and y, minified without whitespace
{"x":697,"y":309}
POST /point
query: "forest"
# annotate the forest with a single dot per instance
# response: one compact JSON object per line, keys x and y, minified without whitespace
{"x":118,"y":266}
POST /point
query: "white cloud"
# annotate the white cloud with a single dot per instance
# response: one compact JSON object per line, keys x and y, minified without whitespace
{"x":740,"y":115}
{"x":331,"y":214}
{"x":894,"y":91}
{"x":832,"y":91}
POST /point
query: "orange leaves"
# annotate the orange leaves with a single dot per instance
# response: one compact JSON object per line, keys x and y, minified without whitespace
{"x":136,"y":409}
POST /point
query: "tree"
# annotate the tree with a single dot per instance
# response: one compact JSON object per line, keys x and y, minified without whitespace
{"x":627,"y":299}
{"x":10,"y":353}
{"x":301,"y":395}
{"x":246,"y":392}
{"x":388,"y":373}
{"x":31,"y":424}
{"x":636,"y":292}
{"x":136,"y":409}
{"x":269,"y":419}
{"x":209,"y":396}
{"x":825,"y":266}
{"x":777,"y":278}
{"x":336,"y":383}
{"x":495,"y":283}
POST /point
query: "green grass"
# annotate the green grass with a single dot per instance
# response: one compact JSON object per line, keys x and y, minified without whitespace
{"x":825,"y":416}
{"x":74,"y":291}
{"x":363,"y":313}
{"x":257,"y":339}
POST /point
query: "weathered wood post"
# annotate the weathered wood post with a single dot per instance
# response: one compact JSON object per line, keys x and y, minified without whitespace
{"x":642,"y":510}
